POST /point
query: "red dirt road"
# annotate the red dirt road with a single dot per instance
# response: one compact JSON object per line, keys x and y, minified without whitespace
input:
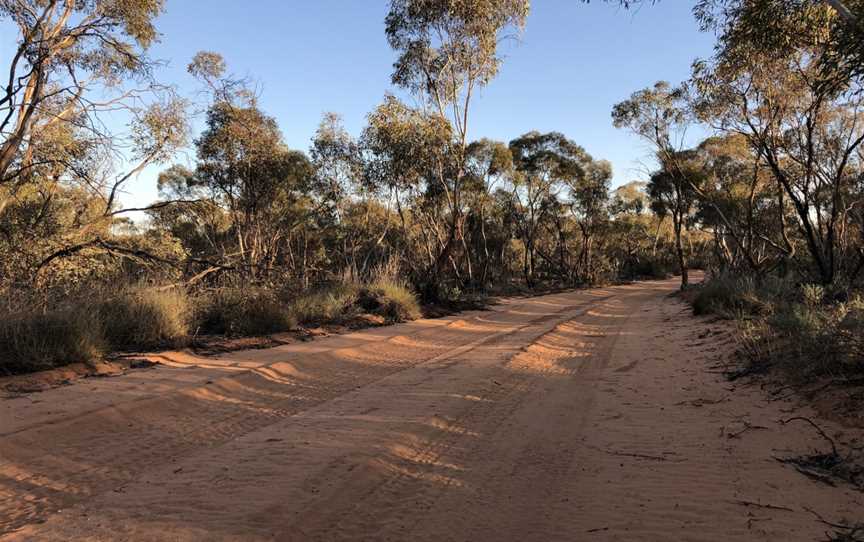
{"x":590,"y":415}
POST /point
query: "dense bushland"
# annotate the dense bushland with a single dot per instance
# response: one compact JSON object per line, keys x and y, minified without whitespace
{"x":254,"y":237}
{"x":257,"y":238}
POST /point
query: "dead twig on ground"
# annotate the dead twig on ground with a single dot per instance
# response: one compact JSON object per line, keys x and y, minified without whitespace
{"x":754,"y":504}
{"x":822,"y":433}
{"x":843,"y":532}
{"x":747,"y":427}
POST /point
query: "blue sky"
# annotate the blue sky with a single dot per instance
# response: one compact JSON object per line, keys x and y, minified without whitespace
{"x":573,"y":63}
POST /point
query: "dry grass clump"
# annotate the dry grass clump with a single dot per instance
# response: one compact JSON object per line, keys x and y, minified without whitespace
{"x":37,"y":334}
{"x":45,"y":333}
{"x":141,"y":318}
{"x":392,"y":300}
{"x":333,"y":304}
{"x":386,"y":298}
{"x":732,"y":297}
{"x":42,"y":338}
{"x":239,"y":311}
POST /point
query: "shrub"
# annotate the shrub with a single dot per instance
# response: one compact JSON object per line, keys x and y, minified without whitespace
{"x":242,"y":311}
{"x":396,"y":302}
{"x":42,"y":339}
{"x":851,"y":330}
{"x":387,"y":298}
{"x":806,"y":337}
{"x":646,"y":269}
{"x":334,"y":304}
{"x":146,"y":318}
{"x":730,"y":297}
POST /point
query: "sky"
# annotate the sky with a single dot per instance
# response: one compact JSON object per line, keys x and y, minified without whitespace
{"x":572,"y":64}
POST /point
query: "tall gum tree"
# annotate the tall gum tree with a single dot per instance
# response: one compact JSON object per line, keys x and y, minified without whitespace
{"x":546,"y":165}
{"x":448,"y":50}
{"x":659,"y":115}
{"x":70,"y":62}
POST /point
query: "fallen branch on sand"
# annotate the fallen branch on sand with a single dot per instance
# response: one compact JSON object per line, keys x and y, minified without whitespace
{"x":827,"y":467}
{"x":743,"y":502}
{"x":844,"y":532}
{"x":822,"y":433}
{"x":747,"y":427}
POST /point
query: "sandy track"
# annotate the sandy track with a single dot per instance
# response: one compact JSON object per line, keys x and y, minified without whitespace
{"x":578,"y":416}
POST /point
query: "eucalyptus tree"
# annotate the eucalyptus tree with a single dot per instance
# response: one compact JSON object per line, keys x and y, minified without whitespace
{"x":362,"y":220}
{"x":81,"y":114}
{"x":589,"y":203}
{"x":633,"y":232}
{"x":752,"y":236}
{"x":670,"y":190}
{"x":244,"y":168}
{"x":489,"y":167}
{"x":781,"y":27}
{"x":447,"y":51}
{"x":69,"y":66}
{"x":659,"y":115}
{"x":407,"y":151}
{"x":546,"y":164}
{"x":808,"y":130}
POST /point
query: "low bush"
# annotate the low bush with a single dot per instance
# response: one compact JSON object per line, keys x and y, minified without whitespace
{"x":802,"y":331}
{"x":35,"y":340}
{"x":392,"y":300}
{"x":389,"y":299}
{"x":730,"y":297}
{"x":146,"y":318}
{"x":333,"y":304}
{"x":814,"y":338}
{"x":237,"y":311}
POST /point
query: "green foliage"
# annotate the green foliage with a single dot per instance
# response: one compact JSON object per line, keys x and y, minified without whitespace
{"x":443,"y":45}
{"x":406,"y":145}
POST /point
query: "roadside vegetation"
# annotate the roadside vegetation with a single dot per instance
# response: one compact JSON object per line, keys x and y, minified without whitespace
{"x":256,"y":238}
{"x":801,"y":331}
{"x":253,"y":237}
{"x":81,"y":329}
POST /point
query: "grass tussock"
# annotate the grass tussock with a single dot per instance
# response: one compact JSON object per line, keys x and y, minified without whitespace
{"x":392,"y":300}
{"x":330,"y":305}
{"x":730,"y":297}
{"x":33,"y":340}
{"x":237,"y":311}
{"x":389,"y":299}
{"x":43,"y":334}
{"x":146,"y":318}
